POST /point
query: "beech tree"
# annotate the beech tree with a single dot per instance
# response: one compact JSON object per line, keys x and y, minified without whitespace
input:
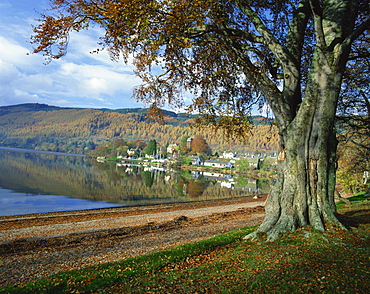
{"x":229,"y":56}
{"x":199,"y":145}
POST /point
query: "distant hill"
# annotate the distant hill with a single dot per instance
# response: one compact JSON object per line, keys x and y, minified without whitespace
{"x":44,"y":127}
{"x":27,"y":107}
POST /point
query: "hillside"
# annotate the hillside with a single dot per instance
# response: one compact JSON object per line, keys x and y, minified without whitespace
{"x":78,"y":130}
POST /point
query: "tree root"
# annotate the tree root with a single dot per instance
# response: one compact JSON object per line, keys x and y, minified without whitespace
{"x":276,"y":232}
{"x":269,"y":236}
{"x":271,"y":232}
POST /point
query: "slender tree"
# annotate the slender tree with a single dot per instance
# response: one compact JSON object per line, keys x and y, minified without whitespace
{"x":231,"y":55}
{"x":184,"y":145}
{"x":151,"y":148}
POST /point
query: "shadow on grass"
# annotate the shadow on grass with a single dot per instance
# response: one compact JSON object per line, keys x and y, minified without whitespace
{"x":355,"y":218}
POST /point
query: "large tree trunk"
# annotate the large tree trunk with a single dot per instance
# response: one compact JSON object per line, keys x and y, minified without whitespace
{"x":304,"y":192}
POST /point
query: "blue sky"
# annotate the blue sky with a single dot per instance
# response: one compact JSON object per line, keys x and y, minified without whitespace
{"x":79,"y":79}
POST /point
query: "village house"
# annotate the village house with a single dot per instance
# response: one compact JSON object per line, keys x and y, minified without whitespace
{"x":131,"y":152}
{"x":228,"y":154}
{"x":188,"y":142}
{"x":151,"y":156}
{"x":217,"y":163}
{"x":196,"y":161}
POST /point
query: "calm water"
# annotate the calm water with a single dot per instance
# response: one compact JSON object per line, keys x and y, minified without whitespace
{"x":48,"y":182}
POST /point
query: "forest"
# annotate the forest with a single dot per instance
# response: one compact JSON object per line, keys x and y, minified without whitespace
{"x":77,"y":130}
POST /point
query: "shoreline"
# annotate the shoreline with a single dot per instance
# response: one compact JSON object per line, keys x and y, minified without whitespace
{"x":37,"y":247}
{"x":135,"y":209}
{"x":40,"y":151}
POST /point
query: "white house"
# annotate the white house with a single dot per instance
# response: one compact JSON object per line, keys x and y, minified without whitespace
{"x":196,"y":161}
{"x":151,"y":156}
{"x":366,"y":177}
{"x":217,"y":163}
{"x":228,"y":154}
{"x":131,"y":152}
{"x":188,"y":142}
{"x":228,"y":185}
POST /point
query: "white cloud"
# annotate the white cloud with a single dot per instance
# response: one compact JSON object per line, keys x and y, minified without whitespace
{"x":68,"y":79}
{"x":78,"y":79}
{"x":83,"y":43}
{"x":9,"y":75}
{"x":95,"y":80}
{"x":12,"y":52}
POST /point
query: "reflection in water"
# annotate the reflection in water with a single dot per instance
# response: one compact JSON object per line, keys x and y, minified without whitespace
{"x":13,"y":203}
{"x":118,"y":184}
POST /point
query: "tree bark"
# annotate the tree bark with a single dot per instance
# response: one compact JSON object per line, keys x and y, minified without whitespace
{"x":304,"y":192}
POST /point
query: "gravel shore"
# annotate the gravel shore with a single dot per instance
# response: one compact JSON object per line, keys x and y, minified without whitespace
{"x":36,"y":246}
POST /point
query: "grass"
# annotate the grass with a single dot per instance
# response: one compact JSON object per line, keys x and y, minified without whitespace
{"x":303,"y":261}
{"x":361,"y":197}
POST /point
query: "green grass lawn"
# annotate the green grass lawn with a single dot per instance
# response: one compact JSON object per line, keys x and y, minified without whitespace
{"x":304,"y":261}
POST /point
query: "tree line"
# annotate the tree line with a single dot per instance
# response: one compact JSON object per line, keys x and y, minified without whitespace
{"x":82,"y":130}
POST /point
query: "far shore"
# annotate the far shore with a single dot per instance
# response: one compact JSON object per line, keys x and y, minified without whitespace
{"x":40,"y":151}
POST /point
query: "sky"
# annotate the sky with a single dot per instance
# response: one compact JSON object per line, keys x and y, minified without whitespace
{"x":79,"y":79}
